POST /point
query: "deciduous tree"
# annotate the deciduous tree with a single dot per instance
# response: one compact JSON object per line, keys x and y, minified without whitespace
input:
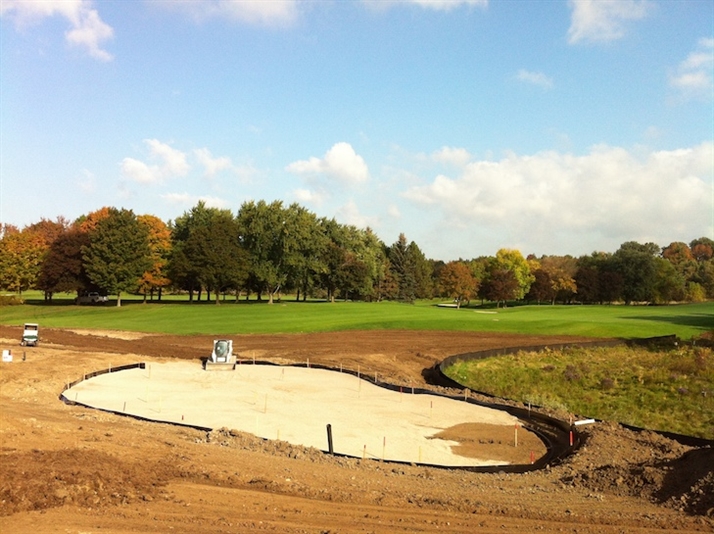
{"x":21,"y":255}
{"x":62,"y":269}
{"x":159,"y":236}
{"x":458,"y":282}
{"x":215,"y":250}
{"x":118,"y":252}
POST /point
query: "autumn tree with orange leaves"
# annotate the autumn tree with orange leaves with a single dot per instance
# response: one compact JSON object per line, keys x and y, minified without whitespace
{"x":155,"y":278}
{"x":458,"y":282}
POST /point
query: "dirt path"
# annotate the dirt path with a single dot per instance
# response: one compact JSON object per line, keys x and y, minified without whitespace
{"x":69,"y":469}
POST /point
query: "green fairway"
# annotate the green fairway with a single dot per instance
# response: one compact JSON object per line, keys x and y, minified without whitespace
{"x":180,"y":317}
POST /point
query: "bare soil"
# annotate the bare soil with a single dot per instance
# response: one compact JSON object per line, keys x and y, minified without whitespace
{"x":75,"y":470}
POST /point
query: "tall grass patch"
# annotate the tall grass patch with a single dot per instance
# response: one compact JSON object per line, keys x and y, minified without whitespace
{"x":662,"y":390}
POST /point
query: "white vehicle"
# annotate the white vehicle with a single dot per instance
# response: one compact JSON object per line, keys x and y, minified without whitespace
{"x":30,"y":335}
{"x":91,"y":298}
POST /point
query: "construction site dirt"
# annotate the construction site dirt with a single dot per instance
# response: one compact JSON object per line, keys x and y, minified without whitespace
{"x":73,"y":469}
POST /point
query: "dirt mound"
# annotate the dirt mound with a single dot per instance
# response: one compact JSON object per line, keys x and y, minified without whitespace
{"x":38,"y":480}
{"x":625,"y":462}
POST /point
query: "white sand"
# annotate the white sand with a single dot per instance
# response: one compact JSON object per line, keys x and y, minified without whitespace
{"x":295,"y":405}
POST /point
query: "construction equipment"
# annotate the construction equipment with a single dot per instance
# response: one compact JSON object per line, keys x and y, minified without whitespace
{"x":222,"y":356}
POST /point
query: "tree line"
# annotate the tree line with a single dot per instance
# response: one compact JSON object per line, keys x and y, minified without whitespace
{"x":266,"y":250}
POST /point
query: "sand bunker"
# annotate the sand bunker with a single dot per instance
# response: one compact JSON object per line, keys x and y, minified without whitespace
{"x":294,"y":404}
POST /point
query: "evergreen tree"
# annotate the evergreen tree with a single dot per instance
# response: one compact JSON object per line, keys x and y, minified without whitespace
{"x":403,"y":268}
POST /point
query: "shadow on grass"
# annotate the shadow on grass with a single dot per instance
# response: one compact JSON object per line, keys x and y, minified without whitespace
{"x":134,"y":301}
{"x":705,"y":321}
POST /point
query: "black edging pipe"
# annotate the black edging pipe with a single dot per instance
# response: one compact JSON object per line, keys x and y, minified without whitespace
{"x":330,"y":448}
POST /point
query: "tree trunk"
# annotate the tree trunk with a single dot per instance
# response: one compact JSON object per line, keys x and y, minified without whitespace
{"x":118,"y":299}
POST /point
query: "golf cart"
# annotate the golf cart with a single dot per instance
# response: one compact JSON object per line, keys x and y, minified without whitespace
{"x":30,"y":335}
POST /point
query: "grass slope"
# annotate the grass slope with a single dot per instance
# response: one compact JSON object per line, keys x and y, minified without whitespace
{"x":669,"y":390}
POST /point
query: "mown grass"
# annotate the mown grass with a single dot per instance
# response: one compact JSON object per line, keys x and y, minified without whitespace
{"x":662,"y":390}
{"x":177,"y":316}
{"x":667,"y":391}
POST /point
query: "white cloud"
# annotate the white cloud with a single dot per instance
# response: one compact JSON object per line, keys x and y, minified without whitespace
{"x":603,"y":20}
{"x":184,"y":199}
{"x":694,"y":75}
{"x":535,"y":78}
{"x":258,"y":12}
{"x":350,"y":214}
{"x":341,"y":162}
{"x":437,"y":5}
{"x":211,"y":165}
{"x":452,"y":156}
{"x":171,"y":162}
{"x":609,"y":194}
{"x":88,"y":30}
{"x":308,"y":196}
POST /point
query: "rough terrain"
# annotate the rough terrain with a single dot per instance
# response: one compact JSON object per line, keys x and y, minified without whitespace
{"x":74,"y":470}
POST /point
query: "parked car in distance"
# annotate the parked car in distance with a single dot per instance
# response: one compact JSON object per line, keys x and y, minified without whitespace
{"x":91,"y":298}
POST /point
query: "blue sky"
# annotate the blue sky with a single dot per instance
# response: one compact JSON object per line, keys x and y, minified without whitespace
{"x":558,"y":127}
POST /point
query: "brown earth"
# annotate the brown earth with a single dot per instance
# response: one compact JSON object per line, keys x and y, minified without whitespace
{"x":74,"y":470}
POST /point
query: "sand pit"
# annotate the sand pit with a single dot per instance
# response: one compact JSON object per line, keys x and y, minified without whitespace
{"x":295,"y":404}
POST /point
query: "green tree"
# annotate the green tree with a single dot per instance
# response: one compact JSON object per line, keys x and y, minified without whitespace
{"x":263,"y":235}
{"x":214,"y":249}
{"x":670,"y":284}
{"x":118,"y":252}
{"x":304,"y":242}
{"x":403,"y":267}
{"x":513,"y":261}
{"x":352,"y":261}
{"x":635,"y":263}
{"x":423,"y":272}
{"x":183,"y":269}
